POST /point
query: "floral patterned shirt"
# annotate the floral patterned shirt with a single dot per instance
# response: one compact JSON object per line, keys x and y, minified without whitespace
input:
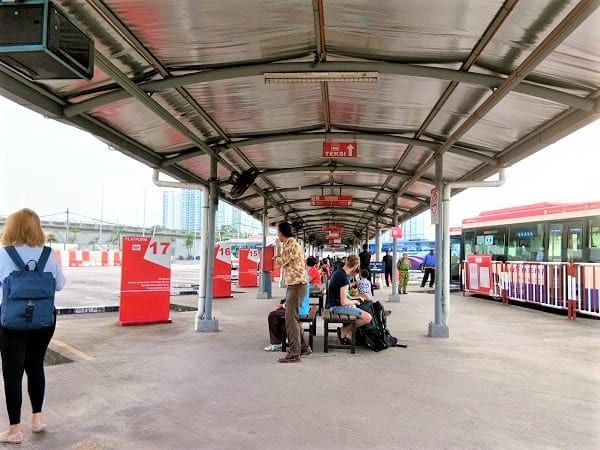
{"x":292,"y":262}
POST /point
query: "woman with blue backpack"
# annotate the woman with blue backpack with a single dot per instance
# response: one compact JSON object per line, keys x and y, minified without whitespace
{"x":29,"y":276}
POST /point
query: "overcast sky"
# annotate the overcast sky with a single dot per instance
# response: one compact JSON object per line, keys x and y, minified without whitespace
{"x":49,"y":167}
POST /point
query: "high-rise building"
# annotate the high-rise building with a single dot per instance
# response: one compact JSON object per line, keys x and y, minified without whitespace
{"x":171,"y":209}
{"x":191,"y":210}
{"x":419,"y":227}
{"x":182,"y":210}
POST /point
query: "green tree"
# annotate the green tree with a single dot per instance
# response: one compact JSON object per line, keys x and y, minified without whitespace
{"x":190,"y":239}
{"x":226,"y":232}
{"x":50,"y":238}
{"x":74,"y":235}
{"x":115,"y":237}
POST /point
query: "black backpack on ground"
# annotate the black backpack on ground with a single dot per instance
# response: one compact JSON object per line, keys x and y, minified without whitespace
{"x":375,"y":335}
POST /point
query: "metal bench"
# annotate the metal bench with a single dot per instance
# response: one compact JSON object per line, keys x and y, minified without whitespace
{"x":342,"y":319}
{"x":319,"y":295}
{"x":310,"y":320}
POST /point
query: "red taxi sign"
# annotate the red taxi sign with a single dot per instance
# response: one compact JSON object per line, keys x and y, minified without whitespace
{"x":333,"y":227}
{"x":331,"y":200}
{"x":333,"y":149}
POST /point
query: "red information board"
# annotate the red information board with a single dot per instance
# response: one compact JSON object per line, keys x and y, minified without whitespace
{"x":333,"y":227}
{"x":331,"y":200}
{"x":479,"y":274}
{"x":249,"y":260}
{"x":396,"y":232}
{"x":222,"y":272}
{"x":145,"y":281}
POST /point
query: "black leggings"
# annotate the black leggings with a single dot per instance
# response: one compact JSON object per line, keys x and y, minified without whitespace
{"x":24,"y":351}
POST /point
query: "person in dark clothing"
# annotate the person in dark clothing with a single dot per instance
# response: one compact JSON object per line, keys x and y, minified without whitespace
{"x":387,"y":267}
{"x":365,"y":257}
{"x":429,"y":269}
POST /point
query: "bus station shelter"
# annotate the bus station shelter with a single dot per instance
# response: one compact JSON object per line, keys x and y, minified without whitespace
{"x":320,"y":112}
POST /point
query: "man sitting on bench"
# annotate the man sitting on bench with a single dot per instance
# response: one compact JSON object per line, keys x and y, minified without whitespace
{"x":338,"y":301}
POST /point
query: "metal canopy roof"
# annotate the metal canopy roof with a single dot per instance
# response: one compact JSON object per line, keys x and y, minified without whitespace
{"x":483,"y":82}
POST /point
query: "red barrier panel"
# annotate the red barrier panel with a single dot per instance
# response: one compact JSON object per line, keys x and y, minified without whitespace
{"x":75,"y":258}
{"x":58,"y":256}
{"x":85,"y":258}
{"x":572,"y":292}
{"x":248,"y":269}
{"x":479,"y":274}
{"x":222,"y":272}
{"x":117,"y":258}
{"x":145,"y":281}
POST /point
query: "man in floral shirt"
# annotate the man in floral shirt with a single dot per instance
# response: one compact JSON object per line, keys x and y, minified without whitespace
{"x":290,"y":257}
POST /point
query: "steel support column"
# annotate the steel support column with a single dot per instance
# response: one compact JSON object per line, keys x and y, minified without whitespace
{"x":208,"y":322}
{"x":438,"y":328}
{"x":394,"y":297}
{"x":264,"y":290}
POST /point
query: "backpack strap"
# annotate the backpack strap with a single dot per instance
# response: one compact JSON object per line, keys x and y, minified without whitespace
{"x":43,"y":259}
{"x":16,"y":258}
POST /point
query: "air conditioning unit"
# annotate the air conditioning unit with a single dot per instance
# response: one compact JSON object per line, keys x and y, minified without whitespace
{"x":41,"y":42}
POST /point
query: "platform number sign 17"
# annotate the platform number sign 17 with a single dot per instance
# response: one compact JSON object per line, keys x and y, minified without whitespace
{"x":159,"y":248}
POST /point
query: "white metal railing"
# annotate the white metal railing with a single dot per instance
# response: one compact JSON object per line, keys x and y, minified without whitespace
{"x":545,"y":283}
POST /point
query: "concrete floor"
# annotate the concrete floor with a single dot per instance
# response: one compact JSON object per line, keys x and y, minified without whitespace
{"x":508,"y":378}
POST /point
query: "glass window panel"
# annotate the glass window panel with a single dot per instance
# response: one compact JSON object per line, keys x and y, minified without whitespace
{"x":575,"y":243}
{"x":594,"y":239}
{"x":555,"y":242}
{"x":526,"y":242}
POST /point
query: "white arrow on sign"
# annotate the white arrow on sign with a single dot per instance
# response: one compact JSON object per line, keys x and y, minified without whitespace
{"x":350,"y":148}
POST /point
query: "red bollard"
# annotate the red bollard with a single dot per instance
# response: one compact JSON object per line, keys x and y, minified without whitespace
{"x":572,"y":309}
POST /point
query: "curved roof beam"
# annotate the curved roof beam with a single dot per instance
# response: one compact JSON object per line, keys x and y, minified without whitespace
{"x":327,"y":213}
{"x":344,"y":219}
{"x":372,"y":136}
{"x":307,"y":200}
{"x":567,"y":25}
{"x":319,"y":186}
{"x":332,"y":169}
{"x":387,"y":68}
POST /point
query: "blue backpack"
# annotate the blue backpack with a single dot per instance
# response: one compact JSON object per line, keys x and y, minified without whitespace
{"x":28,"y":295}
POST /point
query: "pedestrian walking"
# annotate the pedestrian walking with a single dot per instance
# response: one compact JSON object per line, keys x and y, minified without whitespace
{"x":429,"y":268}
{"x":23,"y":350}
{"x":388,"y":264}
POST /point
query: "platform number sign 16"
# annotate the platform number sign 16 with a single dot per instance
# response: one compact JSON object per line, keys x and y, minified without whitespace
{"x":225,"y":251}
{"x":160,"y":248}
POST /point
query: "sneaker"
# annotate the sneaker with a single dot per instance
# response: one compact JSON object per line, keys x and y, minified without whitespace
{"x":273,"y":348}
{"x":307,"y":351}
{"x":289,"y":359}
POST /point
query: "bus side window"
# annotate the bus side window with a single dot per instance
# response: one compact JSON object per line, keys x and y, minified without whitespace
{"x":594,"y":240}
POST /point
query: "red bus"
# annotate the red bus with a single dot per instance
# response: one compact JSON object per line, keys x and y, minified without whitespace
{"x":543,"y":253}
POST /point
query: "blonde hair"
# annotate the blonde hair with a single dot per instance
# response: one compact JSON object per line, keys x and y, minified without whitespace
{"x":352,"y":261}
{"x":23,"y":228}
